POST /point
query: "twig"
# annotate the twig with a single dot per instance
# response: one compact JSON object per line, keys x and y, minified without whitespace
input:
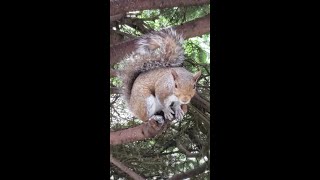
{"x":125,"y":169}
{"x":191,"y":173}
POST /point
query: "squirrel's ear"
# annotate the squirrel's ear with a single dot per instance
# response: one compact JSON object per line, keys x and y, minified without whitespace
{"x":196,"y":76}
{"x":174,"y":74}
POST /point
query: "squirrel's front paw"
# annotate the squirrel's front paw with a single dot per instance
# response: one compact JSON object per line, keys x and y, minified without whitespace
{"x":168,"y":113}
{"x":179,"y":113}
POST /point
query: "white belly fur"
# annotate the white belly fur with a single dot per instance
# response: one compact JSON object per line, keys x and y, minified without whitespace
{"x":154,"y":105}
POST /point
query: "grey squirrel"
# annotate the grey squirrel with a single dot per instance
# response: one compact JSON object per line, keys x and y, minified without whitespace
{"x":153,"y":79}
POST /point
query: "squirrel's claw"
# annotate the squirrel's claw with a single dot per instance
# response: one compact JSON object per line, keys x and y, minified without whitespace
{"x":168,"y":116}
{"x":179,"y":113}
{"x":168,"y":113}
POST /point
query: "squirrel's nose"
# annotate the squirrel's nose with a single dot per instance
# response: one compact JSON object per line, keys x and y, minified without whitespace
{"x":185,"y":100}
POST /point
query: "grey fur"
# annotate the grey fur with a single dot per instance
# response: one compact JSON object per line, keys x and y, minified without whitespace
{"x":155,"y":50}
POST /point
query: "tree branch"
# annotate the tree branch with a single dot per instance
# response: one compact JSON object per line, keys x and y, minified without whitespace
{"x":195,"y":27}
{"x":125,"y":169}
{"x":186,"y":152}
{"x":190,"y":29}
{"x":200,"y":103}
{"x":113,"y":73}
{"x":122,"y":6}
{"x":117,"y":17}
{"x":115,"y":90}
{"x":190,"y":173}
{"x":144,"y":131}
{"x":115,"y":38}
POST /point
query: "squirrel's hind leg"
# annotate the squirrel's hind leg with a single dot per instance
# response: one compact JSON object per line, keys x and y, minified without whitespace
{"x":144,"y":105}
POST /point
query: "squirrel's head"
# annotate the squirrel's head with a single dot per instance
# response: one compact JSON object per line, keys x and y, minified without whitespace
{"x":185,"y":86}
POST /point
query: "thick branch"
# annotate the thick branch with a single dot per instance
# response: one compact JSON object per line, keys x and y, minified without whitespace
{"x":190,"y":29}
{"x":196,"y":27}
{"x":115,"y":90}
{"x":200,"y":103}
{"x":122,"y":6}
{"x":117,"y":17}
{"x":190,"y":173}
{"x":113,"y":73}
{"x":144,"y":131}
{"x":115,"y":37}
{"x":138,"y":24}
{"x":125,"y":169}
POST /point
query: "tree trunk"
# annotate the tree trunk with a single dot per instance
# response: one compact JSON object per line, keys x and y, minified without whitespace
{"x":190,"y":29}
{"x":122,"y":6}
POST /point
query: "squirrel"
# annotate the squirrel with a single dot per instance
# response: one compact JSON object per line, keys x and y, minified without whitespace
{"x":153,"y":77}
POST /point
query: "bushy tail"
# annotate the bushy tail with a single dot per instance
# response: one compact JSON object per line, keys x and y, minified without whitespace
{"x":155,"y":50}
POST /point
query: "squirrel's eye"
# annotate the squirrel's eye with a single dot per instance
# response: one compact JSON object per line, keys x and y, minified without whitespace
{"x":176,"y":85}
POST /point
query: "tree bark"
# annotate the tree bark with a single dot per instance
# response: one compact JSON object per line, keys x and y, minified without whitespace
{"x":125,"y":169}
{"x":200,"y":103}
{"x":190,"y":173}
{"x":115,"y":90}
{"x":117,"y":17}
{"x":122,"y":6}
{"x":113,"y":73}
{"x":144,"y":131}
{"x":115,"y":38}
{"x":195,"y":27}
{"x":190,"y":29}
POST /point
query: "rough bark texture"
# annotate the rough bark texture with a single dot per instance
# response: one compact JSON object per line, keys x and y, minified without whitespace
{"x":200,"y":103}
{"x":190,"y":173}
{"x":190,"y":29}
{"x":115,"y":38}
{"x":117,"y":17}
{"x":118,"y":51}
{"x":125,"y":169}
{"x":144,"y":131}
{"x":115,"y":90}
{"x":113,"y":73}
{"x":122,"y":6}
{"x":196,"y":27}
